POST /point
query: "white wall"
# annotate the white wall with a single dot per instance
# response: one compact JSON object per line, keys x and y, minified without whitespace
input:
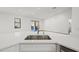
{"x":75,"y":21}
{"x":59,"y":22}
{"x":9,"y":35}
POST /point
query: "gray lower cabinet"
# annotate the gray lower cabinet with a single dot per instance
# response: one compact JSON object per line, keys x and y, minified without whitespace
{"x":13,"y":48}
{"x":37,"y":47}
{"x":32,"y":47}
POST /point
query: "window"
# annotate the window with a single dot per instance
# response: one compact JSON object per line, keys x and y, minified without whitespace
{"x":35,"y":25}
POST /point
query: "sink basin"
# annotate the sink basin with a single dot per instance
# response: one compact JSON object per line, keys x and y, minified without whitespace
{"x":37,"y":37}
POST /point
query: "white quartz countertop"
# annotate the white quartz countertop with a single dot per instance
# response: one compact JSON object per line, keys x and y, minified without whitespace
{"x":68,"y":41}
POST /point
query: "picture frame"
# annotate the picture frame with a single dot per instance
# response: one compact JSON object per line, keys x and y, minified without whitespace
{"x":17,"y":23}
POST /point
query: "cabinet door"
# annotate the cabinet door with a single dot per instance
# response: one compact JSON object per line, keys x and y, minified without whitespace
{"x":14,"y":48}
{"x":37,"y":47}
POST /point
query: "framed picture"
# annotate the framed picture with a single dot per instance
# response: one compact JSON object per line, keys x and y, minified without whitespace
{"x":17,"y":23}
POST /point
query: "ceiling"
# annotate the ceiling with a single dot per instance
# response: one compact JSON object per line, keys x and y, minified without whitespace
{"x":35,"y":12}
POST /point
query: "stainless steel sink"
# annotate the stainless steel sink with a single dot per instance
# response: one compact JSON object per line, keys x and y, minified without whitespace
{"x":37,"y":37}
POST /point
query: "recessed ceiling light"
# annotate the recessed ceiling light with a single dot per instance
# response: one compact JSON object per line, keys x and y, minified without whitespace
{"x":53,"y":7}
